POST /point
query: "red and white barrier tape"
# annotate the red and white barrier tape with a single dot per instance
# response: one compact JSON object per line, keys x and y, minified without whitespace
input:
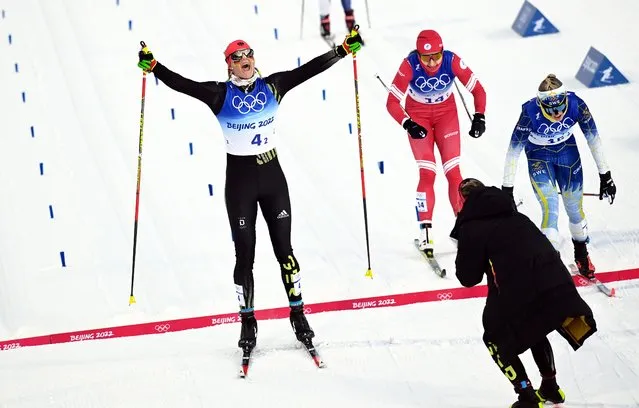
{"x":167,"y":326}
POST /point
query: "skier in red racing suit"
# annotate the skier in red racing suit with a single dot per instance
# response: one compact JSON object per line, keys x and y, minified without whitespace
{"x":430,"y":117}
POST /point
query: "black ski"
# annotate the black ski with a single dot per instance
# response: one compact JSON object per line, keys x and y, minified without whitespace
{"x":608,"y":291}
{"x":429,"y":256}
{"x":308,"y":344}
{"x":246,"y":361}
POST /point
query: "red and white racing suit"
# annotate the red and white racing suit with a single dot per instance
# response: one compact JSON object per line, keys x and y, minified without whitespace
{"x":430,"y":102}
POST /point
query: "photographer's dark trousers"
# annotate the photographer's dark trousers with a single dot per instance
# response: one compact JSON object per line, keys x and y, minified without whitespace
{"x":251,"y":180}
{"x":511,"y":366}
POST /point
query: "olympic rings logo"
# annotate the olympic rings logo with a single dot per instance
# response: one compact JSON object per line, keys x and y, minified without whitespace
{"x":438,"y":83}
{"x":444,"y":296}
{"x":307,"y":310}
{"x":249,"y":103}
{"x":556,"y":127}
{"x":162,"y":328}
{"x":582,"y":281}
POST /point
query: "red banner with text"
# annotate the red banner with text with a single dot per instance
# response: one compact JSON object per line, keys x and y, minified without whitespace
{"x":281,"y":313}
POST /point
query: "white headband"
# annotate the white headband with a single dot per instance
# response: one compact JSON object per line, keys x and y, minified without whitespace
{"x":542,"y":95}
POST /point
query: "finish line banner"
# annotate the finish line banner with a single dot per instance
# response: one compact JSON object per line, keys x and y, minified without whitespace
{"x":168,"y":326}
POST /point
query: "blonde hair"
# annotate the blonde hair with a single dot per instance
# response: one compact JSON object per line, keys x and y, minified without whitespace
{"x":551,"y":82}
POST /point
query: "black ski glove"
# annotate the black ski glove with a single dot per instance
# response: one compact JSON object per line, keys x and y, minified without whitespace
{"x":607,"y":187}
{"x":415,"y":130}
{"x":146,"y":62}
{"x":479,"y":125}
{"x":509,"y":191}
{"x":351,"y":45}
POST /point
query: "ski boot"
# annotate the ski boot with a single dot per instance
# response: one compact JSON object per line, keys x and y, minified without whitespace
{"x":425,"y":246}
{"x":325,"y":26}
{"x":349,"y":17}
{"x":582,"y":260}
{"x":425,"y":243}
{"x":527,"y":397}
{"x":300,"y":325}
{"x":527,"y":404}
{"x":550,"y":391}
{"x":248,"y":334}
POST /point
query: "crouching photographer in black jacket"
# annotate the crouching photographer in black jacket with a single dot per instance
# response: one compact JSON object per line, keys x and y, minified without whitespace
{"x":530,"y":291}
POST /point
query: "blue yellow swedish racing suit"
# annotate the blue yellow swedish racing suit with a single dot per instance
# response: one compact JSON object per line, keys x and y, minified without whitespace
{"x":554,"y":162}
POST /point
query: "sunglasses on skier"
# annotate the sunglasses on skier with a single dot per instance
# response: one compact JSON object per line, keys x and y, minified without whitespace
{"x":238,"y":55}
{"x":427,"y":57}
{"x":554,"y":104}
{"x":554,"y":110}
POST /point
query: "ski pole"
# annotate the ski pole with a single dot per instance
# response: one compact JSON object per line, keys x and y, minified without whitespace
{"x":369,"y":272}
{"x":463,"y":101}
{"x":584,"y":194}
{"x":596,"y":195}
{"x":137,"y":190}
{"x":302,"y":22}
{"x":368,"y":15}
{"x":389,"y":91}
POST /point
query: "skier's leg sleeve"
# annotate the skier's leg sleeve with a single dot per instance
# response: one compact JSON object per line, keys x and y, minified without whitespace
{"x":276,"y":208}
{"x":241,"y":208}
{"x":446,"y":137}
{"x":424,"y":153}
{"x":542,"y":178}
{"x":324,"y":7}
{"x":570,"y":179}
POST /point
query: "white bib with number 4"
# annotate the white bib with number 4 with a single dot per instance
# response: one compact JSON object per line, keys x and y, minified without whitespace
{"x":248,"y":119}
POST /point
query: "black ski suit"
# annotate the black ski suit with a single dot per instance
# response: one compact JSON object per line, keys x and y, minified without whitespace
{"x":256,"y":179}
